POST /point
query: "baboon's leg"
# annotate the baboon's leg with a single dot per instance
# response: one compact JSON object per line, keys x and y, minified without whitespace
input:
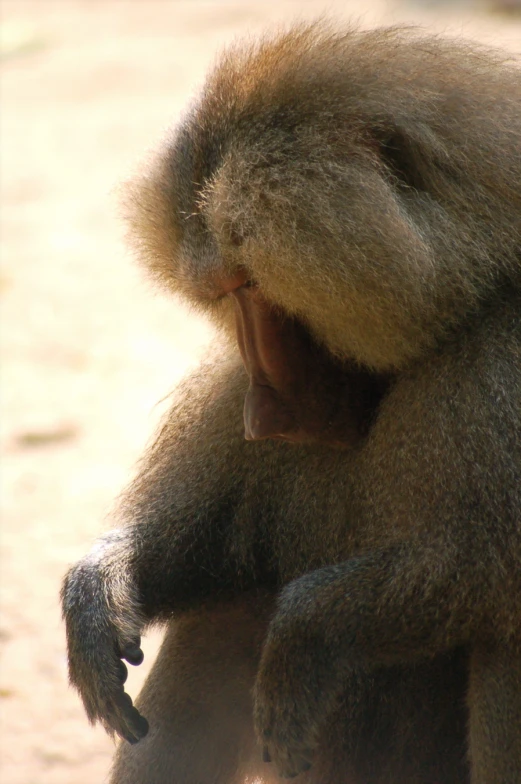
{"x":198,"y":702}
{"x":495,"y":714}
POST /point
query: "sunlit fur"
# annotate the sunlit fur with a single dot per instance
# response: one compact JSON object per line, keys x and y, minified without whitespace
{"x":355,"y":609}
{"x":336,"y":167}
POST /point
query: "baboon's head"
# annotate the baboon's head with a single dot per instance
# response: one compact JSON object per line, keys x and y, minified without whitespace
{"x":340,"y":202}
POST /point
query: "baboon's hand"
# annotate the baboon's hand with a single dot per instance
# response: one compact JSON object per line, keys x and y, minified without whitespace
{"x":100,"y":634}
{"x":297,"y":684}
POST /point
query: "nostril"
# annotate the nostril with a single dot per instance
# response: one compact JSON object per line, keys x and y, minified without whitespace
{"x":221,"y":286}
{"x":235,"y":281}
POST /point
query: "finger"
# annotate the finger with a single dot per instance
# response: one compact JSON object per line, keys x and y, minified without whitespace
{"x":123,"y":671}
{"x":132,"y":653}
{"x":129,"y":736}
{"x":134,"y":726}
{"x":141,"y":725}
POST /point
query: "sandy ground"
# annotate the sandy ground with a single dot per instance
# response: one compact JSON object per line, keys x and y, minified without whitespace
{"x":88,"y":349}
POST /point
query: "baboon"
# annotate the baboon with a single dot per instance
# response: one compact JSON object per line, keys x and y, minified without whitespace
{"x":329,"y":521}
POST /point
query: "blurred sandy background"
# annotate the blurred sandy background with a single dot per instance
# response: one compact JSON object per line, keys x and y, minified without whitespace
{"x":88,"y":349}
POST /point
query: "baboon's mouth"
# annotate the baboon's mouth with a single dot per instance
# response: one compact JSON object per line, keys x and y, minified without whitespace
{"x":298,"y":391}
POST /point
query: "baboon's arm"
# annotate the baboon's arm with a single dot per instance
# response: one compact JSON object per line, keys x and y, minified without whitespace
{"x":196,"y":486}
